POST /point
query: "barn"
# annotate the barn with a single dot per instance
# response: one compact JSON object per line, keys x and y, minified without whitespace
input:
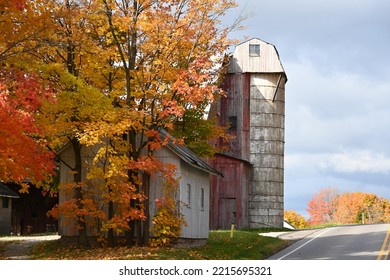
{"x":251,"y":193}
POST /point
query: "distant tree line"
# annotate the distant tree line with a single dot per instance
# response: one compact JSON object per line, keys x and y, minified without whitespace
{"x":329,"y":206}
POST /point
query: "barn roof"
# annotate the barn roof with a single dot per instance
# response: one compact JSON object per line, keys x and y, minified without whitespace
{"x":7,"y":192}
{"x":267,"y":61}
{"x":181,"y":151}
{"x":187,"y":155}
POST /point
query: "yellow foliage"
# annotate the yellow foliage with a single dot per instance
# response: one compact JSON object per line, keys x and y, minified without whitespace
{"x":167,"y":221}
{"x":295,"y":219}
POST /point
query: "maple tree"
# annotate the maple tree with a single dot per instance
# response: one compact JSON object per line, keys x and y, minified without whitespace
{"x":165,"y":50}
{"x":347,"y":207}
{"x":23,"y":157}
{"x":320,"y":207}
{"x":358,"y":207}
{"x":22,"y":23}
{"x":23,"y":154}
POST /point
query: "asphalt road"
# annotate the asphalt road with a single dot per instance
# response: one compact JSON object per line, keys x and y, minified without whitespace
{"x":355,"y":242}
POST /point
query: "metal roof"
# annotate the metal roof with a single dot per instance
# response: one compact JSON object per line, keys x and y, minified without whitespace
{"x":181,"y":151}
{"x":7,"y":192}
{"x":187,"y":155}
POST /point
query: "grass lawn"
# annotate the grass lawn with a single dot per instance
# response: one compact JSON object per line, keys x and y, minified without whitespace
{"x":245,"y":245}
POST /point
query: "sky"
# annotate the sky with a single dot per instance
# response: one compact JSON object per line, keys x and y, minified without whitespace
{"x":336,"y":57}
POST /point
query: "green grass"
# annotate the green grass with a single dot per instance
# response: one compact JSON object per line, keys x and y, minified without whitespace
{"x":245,"y":245}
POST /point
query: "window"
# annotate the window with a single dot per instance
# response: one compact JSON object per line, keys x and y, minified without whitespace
{"x":254,"y":50}
{"x":233,"y":123}
{"x":202,"y":199}
{"x":188,"y":195}
{"x":5,"y":202}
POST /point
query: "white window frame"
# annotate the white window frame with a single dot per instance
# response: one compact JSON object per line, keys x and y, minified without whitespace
{"x":254,"y":49}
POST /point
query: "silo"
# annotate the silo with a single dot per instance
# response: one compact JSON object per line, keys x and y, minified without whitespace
{"x":260,"y":61}
{"x":254,"y":106}
{"x":267,"y":149}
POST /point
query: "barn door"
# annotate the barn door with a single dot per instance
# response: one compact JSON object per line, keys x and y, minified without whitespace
{"x":227,"y":212}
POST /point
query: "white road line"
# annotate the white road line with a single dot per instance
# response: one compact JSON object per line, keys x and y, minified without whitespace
{"x":325,"y":231}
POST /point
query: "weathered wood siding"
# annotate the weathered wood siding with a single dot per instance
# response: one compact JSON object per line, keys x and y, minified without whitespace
{"x":196,"y":216}
{"x":236,"y":104}
{"x":5,"y":215}
{"x":255,"y":86}
{"x":157,"y":182}
{"x":68,"y":226}
{"x":229,"y":194}
{"x":195,"y":211}
{"x":267,"y":62}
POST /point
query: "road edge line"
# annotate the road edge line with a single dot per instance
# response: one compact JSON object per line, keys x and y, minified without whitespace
{"x":307,"y":242}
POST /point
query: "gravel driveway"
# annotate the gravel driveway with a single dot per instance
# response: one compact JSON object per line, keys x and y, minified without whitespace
{"x":18,"y":247}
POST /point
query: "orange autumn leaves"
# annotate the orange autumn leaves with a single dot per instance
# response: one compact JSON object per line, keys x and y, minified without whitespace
{"x":328,"y":206}
{"x":98,"y":74}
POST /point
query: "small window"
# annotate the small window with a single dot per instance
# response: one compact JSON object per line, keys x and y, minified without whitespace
{"x":233,"y":123}
{"x":202,"y":199}
{"x":188,"y":195}
{"x":5,"y":202}
{"x":254,"y":50}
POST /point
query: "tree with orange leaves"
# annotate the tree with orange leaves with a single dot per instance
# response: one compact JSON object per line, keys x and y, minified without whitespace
{"x":359,"y":207}
{"x":321,"y":206}
{"x":167,"y":52}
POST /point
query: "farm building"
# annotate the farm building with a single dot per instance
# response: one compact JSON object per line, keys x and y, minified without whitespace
{"x":6,"y":197}
{"x":251,"y":192}
{"x":25,"y":213}
{"x":192,"y":196}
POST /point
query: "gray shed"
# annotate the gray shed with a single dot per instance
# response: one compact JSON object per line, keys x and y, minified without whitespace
{"x":194,"y":187}
{"x":6,"y":196}
{"x":192,"y":196}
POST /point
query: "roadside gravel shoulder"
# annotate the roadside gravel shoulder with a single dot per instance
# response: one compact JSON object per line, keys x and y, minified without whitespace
{"x":290,"y":235}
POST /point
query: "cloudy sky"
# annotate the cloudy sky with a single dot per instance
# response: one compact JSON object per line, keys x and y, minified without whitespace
{"x":336,"y":54}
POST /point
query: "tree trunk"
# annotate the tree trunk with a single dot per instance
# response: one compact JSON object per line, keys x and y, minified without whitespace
{"x":111,"y":237}
{"x":146,"y":223}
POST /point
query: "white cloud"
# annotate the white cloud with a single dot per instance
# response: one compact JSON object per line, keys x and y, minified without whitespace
{"x":341,"y":162}
{"x":356,"y":161}
{"x":337,"y":95}
{"x":326,"y":112}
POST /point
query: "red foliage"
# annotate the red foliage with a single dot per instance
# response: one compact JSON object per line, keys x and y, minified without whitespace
{"x":320,"y":207}
{"x":23,"y":154}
